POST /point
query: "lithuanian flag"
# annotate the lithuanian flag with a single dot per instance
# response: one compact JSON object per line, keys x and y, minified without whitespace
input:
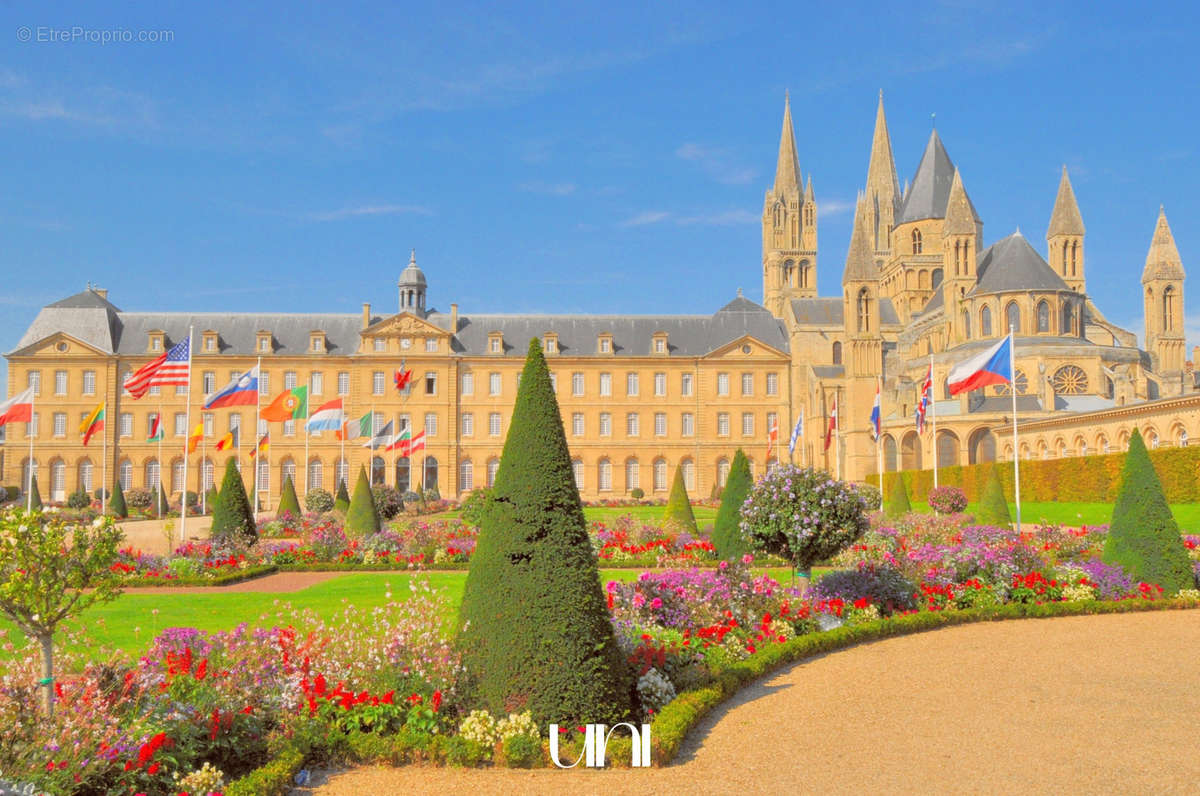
{"x":92,"y":424}
{"x":288,"y":405}
{"x":196,"y":435}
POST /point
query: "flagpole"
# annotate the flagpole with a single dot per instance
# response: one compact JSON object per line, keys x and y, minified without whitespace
{"x":1012,"y":367}
{"x":342,"y":455}
{"x":104,"y":460}
{"x":879,"y":437}
{"x":371,"y":455}
{"x":933,"y":418}
{"x":162,"y":432}
{"x":257,"y":453}
{"x":837,"y":432}
{"x":203,"y":459}
{"x":307,"y":414}
{"x":32,"y":428}
{"x":187,"y":425}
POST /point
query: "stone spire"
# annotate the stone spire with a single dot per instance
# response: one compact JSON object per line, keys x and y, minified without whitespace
{"x":787,"y":170}
{"x":881,"y":171}
{"x":1163,"y":261}
{"x":960,"y":220}
{"x":860,"y":258}
{"x":808,"y":191}
{"x":1065,"y":220}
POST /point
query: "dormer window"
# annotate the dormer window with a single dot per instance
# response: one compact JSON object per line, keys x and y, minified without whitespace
{"x":209,"y":342}
{"x":431,"y":345}
{"x":380,"y":345}
{"x":550,"y":342}
{"x":263,"y":344}
{"x":155,"y":342}
{"x":496,"y":343}
{"x":659,"y":343}
{"x":316,"y":342}
{"x":605,"y":343}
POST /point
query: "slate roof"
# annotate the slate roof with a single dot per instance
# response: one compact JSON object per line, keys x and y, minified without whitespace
{"x":827,"y":311}
{"x":1012,"y":264}
{"x":95,"y":321}
{"x":929,"y":193}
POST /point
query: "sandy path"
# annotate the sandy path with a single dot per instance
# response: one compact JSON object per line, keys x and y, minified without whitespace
{"x":1101,"y":704}
{"x":277,"y":583}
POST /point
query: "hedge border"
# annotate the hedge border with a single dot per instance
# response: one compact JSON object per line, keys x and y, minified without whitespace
{"x":241,"y":576}
{"x":682,"y":714}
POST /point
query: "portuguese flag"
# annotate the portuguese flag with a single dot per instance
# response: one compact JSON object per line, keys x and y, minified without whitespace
{"x":92,"y":424}
{"x":289,"y":405}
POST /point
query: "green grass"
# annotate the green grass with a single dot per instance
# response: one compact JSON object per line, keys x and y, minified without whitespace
{"x":130,"y":623}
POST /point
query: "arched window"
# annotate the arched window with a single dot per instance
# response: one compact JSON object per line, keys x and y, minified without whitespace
{"x":1181,"y":438}
{"x":58,"y":480}
{"x":263,"y":468}
{"x":431,"y":473}
{"x":1043,"y":316}
{"x":722,"y":472}
{"x":378,"y":472}
{"x":604,"y":475}
{"x":288,"y":470}
{"x":689,"y":474}
{"x":966,"y":319}
{"x":804,"y":273}
{"x":25,"y":473}
{"x":1066,"y":250}
{"x":789,"y":273}
{"x":315,"y":474}
{"x":177,"y":476}
{"x":1168,"y":308}
{"x":1075,"y":258}
{"x":466,"y":476}
{"x":837,"y":353}
{"x":341,"y":474}
{"x":631,"y":474}
{"x":889,"y":453}
{"x":153,"y":478}
{"x":1067,"y":325}
{"x":124,"y":475}
{"x":957,"y":257}
{"x":660,"y":475}
{"x":916,"y":241}
{"x":403,"y":474}
{"x":85,"y":475}
{"x":576,"y":470}
{"x":864,"y":310}
{"x":937,"y":278}
{"x":206,"y":475}
{"x":985,"y":321}
{"x":1012,"y":316}
{"x":493,"y":467}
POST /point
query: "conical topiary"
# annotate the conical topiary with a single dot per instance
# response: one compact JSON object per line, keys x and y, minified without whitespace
{"x":362,"y":518}
{"x":341,"y":503}
{"x":896,"y":500}
{"x":232,"y":515}
{"x":287,"y":500}
{"x":993,"y":508}
{"x":535,"y":632}
{"x":679,"y":509}
{"x":116,"y":503}
{"x":35,"y":500}
{"x":1144,"y":537}
{"x":727,"y":533}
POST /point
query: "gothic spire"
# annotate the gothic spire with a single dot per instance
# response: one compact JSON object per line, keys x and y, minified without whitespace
{"x":1163,"y":261}
{"x":860,"y":260}
{"x":808,"y":191}
{"x":1065,"y":220}
{"x":787,"y":170}
{"x":960,"y":220}
{"x":881,"y":171}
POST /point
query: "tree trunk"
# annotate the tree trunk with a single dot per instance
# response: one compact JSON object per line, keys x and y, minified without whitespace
{"x":47,"y":642}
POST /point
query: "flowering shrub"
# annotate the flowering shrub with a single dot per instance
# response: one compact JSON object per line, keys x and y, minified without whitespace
{"x":882,"y":586}
{"x":803,"y":515}
{"x":318,"y":501}
{"x":948,"y":500}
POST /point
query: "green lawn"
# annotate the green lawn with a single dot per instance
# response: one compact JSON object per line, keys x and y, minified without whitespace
{"x":129,"y":623}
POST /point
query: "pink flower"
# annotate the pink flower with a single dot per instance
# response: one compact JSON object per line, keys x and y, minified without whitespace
{"x":747,"y":558}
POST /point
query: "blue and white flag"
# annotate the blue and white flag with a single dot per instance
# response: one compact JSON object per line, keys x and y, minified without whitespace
{"x":796,"y":432}
{"x":875,"y":418}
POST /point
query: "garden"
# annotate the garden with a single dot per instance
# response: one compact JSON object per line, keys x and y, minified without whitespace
{"x":455,"y":653}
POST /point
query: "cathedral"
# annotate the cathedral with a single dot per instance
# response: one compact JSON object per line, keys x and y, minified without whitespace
{"x":642,"y":396}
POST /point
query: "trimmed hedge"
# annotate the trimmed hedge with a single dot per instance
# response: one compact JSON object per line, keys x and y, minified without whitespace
{"x":727,"y":530}
{"x":288,"y":502}
{"x":1082,"y":479}
{"x":274,"y":779}
{"x":241,"y":576}
{"x":679,"y":508}
{"x":362,"y":518}
{"x":896,"y":502}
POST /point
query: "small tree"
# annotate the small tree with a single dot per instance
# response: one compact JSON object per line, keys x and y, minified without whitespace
{"x":52,"y":569}
{"x":803,"y":515}
{"x":362,"y":518}
{"x":727,"y":533}
{"x":288,"y":502}
{"x":232,"y":515}
{"x":116,"y":505}
{"x":897,"y":500}
{"x":342,"y":503}
{"x":318,"y":500}
{"x":1144,"y":537}
{"x":679,"y":509}
{"x":35,"y":499}
{"x":947,"y":500}
{"x":993,"y":508}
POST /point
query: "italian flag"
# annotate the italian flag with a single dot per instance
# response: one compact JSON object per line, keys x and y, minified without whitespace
{"x":156,"y":432}
{"x":353,"y":429}
{"x":92,"y":424}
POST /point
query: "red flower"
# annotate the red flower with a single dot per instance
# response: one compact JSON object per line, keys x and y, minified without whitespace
{"x":153,"y":769}
{"x":436,"y":702}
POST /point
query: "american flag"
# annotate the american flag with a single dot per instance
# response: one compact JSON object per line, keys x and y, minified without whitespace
{"x":169,"y":368}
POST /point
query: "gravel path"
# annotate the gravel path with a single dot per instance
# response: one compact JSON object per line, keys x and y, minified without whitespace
{"x":1099,"y":704}
{"x":277,"y":583}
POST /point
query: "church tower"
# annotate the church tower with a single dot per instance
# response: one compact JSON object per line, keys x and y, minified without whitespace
{"x":864,"y":343}
{"x":883,"y":188}
{"x":412,"y":288}
{"x":789,"y":224}
{"x":961,"y":234}
{"x":1162,"y":284}
{"x":1064,"y":237}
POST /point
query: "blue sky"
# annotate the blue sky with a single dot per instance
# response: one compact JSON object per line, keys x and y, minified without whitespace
{"x":558,"y":157}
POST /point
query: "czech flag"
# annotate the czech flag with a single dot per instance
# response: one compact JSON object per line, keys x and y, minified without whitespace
{"x":328,"y":417}
{"x":875,"y":414}
{"x":993,"y":366}
{"x":242,"y":391}
{"x":18,"y":409}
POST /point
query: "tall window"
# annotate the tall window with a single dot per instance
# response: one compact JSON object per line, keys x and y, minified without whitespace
{"x":966,"y":322}
{"x":837,"y":353}
{"x":1168,"y":309}
{"x":431,"y":384}
{"x":494,"y":424}
{"x":177,"y":476}
{"x":493,"y":467}
{"x":152,"y":474}
{"x":317,"y":382}
{"x":89,"y":382}
{"x":631,"y":474}
{"x":289,"y":380}
{"x":431,"y":345}
{"x":341,"y":472}
{"x":631,"y":385}
{"x":494,"y":383}
{"x":430,"y":424}
{"x":125,"y":474}
{"x":60,"y":424}
{"x":632,"y":424}
{"x":864,"y":310}
{"x":1067,"y":321}
{"x":916,"y":241}
{"x":772,"y":384}
{"x":85,"y":475}
{"x":660,"y":424}
{"x":126,"y":427}
{"x":577,"y":471}
{"x":660,"y":384}
{"x":468,"y":424}
{"x":689,"y":424}
{"x":180,"y":424}
{"x":747,"y":424}
{"x":722,"y":472}
{"x":466,"y":476}
{"x":605,"y":424}
{"x":985,"y":321}
{"x":210,"y":382}
{"x":1012,"y":316}
{"x":316,"y":473}
{"x":722,"y":424}
{"x":689,"y":474}
{"x":604,"y":471}
{"x":605,"y":385}
{"x":685,"y":385}
{"x":577,"y":384}
{"x":722,"y":384}
{"x":577,"y":424}
{"x":34,"y":379}
{"x":377,"y":382}
{"x":264,"y":383}
{"x":343,"y":382}
{"x":60,"y":382}
{"x":660,"y":475}
{"x":1043,"y":316}
{"x":467,"y":383}
{"x":206,"y":475}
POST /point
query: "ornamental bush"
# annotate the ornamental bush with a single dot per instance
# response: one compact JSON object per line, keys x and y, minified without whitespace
{"x":727,"y":533}
{"x":233,"y":519}
{"x":318,"y":500}
{"x":803,"y":515}
{"x":637,"y":493}
{"x":342,"y":502}
{"x":138,"y":498}
{"x":679,"y":515}
{"x":534,"y":630}
{"x":35,"y":501}
{"x":883,"y":586}
{"x":210,"y":499}
{"x":993,"y":508}
{"x":362,"y":519}
{"x":871,"y":494}
{"x":116,"y":504}
{"x":79,"y":500}
{"x":388,"y":501}
{"x":1144,"y":537}
{"x":896,"y":496}
{"x":948,"y":500}
{"x":288,"y":502}
{"x":471,"y":509}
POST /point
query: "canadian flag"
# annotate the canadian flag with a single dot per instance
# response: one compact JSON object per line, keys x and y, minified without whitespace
{"x":18,"y":409}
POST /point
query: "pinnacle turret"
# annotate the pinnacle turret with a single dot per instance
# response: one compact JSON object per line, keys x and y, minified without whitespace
{"x":1163,"y":260}
{"x":882,"y":181}
{"x":808,"y":190}
{"x":960,"y":218}
{"x":1065,"y":220}
{"x":787,"y":169}
{"x":860,"y":258}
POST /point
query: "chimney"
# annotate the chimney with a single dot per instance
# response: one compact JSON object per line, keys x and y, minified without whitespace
{"x":453,"y":319}
{"x":366,"y":314}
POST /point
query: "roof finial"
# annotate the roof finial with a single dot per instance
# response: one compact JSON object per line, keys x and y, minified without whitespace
{"x":933,"y":119}
{"x":412,"y":258}
{"x":739,"y":292}
{"x":1019,"y":230}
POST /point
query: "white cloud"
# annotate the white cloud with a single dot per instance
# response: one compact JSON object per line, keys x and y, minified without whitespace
{"x":717,"y":163}
{"x":833,"y":208}
{"x":550,"y":188}
{"x":648,"y":217}
{"x":726,"y":218}
{"x":369,"y":210}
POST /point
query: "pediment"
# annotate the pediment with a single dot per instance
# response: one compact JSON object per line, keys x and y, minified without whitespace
{"x":736,"y":349}
{"x":53,"y":346}
{"x":404,"y":324}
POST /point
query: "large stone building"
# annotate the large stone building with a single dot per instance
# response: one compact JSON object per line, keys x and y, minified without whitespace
{"x":642,"y":395}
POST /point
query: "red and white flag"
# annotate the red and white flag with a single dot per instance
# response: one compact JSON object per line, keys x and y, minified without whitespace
{"x":18,"y":409}
{"x":833,"y":421}
{"x":772,"y":439}
{"x":169,"y":368}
